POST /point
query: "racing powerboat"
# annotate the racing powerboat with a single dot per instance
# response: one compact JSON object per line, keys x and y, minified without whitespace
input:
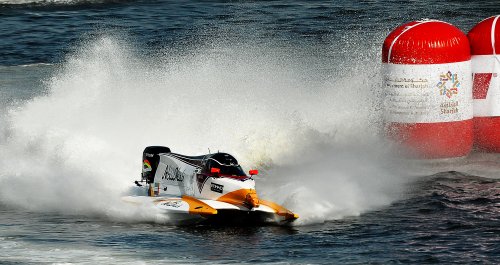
{"x":211,"y":188}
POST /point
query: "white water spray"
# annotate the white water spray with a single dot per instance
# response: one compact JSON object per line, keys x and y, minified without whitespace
{"x":77,"y":149}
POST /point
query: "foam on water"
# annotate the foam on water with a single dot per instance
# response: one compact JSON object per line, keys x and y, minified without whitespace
{"x":19,"y":251}
{"x":77,"y":148}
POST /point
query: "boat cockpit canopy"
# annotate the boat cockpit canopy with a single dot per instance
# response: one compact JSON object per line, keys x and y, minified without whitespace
{"x":226,"y":163}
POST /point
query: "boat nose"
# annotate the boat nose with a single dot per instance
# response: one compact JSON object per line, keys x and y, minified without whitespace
{"x":245,"y":197}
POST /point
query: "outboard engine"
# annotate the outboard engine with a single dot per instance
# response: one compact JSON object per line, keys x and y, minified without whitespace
{"x":150,"y":160}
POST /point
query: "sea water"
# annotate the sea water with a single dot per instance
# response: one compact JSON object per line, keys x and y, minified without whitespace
{"x":290,"y":88}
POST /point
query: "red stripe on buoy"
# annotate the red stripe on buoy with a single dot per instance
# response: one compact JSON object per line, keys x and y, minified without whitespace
{"x":426,"y":42}
{"x":485,"y":37}
{"x":486,"y":133}
{"x":434,"y":140}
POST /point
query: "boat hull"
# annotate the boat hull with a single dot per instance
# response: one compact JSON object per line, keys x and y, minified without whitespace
{"x":188,"y":211}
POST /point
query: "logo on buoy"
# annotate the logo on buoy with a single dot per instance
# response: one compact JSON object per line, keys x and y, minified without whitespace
{"x":448,"y":89}
{"x":449,"y":107}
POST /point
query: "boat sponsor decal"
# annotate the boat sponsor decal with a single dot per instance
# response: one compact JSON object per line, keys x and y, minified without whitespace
{"x":217,"y":188}
{"x":173,"y":174}
{"x":147,"y":165}
{"x":173,"y":204}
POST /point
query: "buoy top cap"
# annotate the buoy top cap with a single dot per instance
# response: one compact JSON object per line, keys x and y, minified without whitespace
{"x":426,"y":42}
{"x":485,"y":37}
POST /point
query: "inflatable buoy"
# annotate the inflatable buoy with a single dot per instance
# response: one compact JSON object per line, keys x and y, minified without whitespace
{"x":484,"y":40}
{"x":428,"y":89}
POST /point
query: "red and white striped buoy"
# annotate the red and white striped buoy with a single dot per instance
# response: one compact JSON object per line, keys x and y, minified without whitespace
{"x":484,"y":40}
{"x":428,"y":87}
